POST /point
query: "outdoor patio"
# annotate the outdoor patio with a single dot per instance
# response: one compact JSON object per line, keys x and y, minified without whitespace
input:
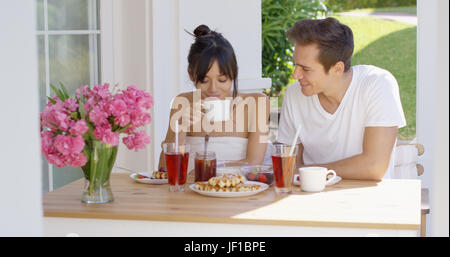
{"x":144,"y":43}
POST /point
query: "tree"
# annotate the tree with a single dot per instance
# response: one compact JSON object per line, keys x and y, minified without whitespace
{"x":277,"y":17}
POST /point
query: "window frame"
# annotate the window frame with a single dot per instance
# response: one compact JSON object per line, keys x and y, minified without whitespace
{"x":102,"y":51}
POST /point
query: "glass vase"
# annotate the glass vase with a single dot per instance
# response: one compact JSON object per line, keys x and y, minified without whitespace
{"x":101,"y":157}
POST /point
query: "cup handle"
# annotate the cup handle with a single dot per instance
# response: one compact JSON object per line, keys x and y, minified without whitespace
{"x":331,"y":180}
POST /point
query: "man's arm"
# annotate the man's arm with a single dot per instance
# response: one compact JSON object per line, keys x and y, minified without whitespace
{"x":373,"y":162}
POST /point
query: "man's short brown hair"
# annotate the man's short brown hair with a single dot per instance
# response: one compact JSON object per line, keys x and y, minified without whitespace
{"x":334,"y":40}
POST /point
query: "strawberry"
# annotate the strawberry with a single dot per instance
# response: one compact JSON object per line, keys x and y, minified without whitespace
{"x":139,"y":176}
{"x":252,"y":176}
{"x":262,"y":178}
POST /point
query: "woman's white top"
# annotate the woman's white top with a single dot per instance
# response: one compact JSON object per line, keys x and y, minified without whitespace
{"x":226,"y":148}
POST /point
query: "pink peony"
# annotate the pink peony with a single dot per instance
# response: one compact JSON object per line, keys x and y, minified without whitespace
{"x":47,"y":142}
{"x":108,"y":113}
{"x":123,"y":119}
{"x":69,"y":145}
{"x":139,"y":119}
{"x":105,"y":134}
{"x":130,"y":130}
{"x":144,"y":100}
{"x":56,"y":159}
{"x":84,"y":90}
{"x":71,"y":104}
{"x":138,"y":97}
{"x":76,"y":160}
{"x":102,"y":91}
{"x":116,"y":107}
{"x":63,"y":150}
{"x":79,"y":128}
{"x":55,"y":117}
{"x":136,"y":141}
{"x":98,"y":116}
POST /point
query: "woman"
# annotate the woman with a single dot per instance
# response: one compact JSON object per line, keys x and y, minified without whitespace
{"x":214,"y":72}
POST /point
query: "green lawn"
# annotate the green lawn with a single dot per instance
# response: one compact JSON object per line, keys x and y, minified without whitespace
{"x":402,"y":9}
{"x":390,"y":45}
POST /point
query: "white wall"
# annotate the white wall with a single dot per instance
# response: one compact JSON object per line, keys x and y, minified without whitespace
{"x":165,"y":66}
{"x":20,"y":172}
{"x":144,"y":43}
{"x":127,"y":60}
{"x":239,"y":22}
{"x":433,"y":108}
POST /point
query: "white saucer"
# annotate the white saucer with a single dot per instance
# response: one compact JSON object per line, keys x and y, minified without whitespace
{"x":149,"y":179}
{"x":297,"y":182}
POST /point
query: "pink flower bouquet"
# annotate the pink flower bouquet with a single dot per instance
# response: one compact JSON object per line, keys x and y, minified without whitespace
{"x":83,"y":130}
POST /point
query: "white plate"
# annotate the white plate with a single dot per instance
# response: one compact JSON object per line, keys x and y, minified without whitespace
{"x":150,"y":180}
{"x":233,"y":194}
{"x":297,"y":182}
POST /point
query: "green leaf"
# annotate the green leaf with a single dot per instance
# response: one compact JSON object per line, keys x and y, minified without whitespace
{"x":90,"y":134}
{"x":51,"y":100}
{"x":64,"y":90}
{"x":53,"y":124}
{"x":74,"y":115}
{"x":124,"y":128}
{"x":58,"y":93}
{"x":81,"y":107}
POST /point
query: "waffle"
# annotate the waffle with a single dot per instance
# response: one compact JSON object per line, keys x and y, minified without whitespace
{"x":226,"y":180}
{"x":203,"y":186}
{"x":159,"y":175}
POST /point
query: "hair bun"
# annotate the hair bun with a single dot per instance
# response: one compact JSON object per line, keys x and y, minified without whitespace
{"x":201,"y":31}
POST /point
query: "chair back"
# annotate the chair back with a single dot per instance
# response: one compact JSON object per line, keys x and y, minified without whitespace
{"x":406,"y":161}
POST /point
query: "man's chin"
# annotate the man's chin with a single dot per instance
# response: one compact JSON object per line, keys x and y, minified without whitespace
{"x":307,"y":91}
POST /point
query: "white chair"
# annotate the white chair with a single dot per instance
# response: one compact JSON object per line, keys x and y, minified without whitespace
{"x":268,"y":155}
{"x":406,"y":167}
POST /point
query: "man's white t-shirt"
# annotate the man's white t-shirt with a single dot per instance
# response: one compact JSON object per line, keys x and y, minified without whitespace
{"x":371,"y":100}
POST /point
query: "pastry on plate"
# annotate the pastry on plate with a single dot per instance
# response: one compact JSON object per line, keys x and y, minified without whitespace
{"x":203,"y":186}
{"x":159,"y":175}
{"x":226,"y":180}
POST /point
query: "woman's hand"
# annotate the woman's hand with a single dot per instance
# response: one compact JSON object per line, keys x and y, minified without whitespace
{"x":192,"y":119}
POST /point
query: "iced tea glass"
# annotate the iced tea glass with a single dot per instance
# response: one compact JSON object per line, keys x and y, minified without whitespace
{"x":283,"y":161}
{"x":205,"y":166}
{"x":177,"y":160}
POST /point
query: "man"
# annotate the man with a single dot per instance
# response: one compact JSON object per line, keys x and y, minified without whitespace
{"x":349,"y":115}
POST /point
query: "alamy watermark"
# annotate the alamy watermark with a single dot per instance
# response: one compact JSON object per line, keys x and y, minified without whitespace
{"x":232,"y":114}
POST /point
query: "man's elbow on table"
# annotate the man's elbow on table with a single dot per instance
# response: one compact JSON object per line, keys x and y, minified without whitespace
{"x":377,"y":169}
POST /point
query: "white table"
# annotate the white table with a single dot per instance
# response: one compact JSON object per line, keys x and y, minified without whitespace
{"x":349,"y":208}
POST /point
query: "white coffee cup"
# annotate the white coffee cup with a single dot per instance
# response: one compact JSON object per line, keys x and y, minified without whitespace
{"x":217,"y":110}
{"x":314,"y":179}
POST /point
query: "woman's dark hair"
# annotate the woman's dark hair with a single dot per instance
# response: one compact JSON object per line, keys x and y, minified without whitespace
{"x":210,"y":46}
{"x":334,"y":40}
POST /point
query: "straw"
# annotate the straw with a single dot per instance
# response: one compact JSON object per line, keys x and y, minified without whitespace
{"x":295,"y":139}
{"x":206,"y":150}
{"x":206,"y":142}
{"x":176,"y":135}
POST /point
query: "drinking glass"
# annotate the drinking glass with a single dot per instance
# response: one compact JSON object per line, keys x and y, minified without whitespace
{"x":283,"y":160}
{"x":177,"y":160}
{"x":205,"y":166}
